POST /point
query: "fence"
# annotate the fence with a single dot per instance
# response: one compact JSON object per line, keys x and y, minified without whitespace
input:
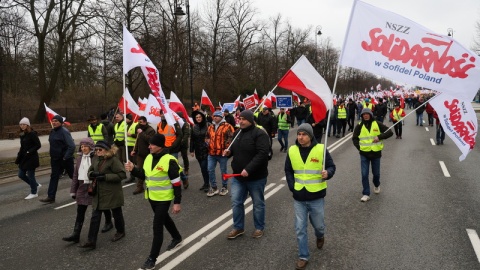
{"x":73,"y":115}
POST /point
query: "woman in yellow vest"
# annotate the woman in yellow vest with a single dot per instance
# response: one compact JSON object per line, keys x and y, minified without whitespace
{"x":162,"y":179}
{"x":368,"y":138}
{"x":306,"y":179}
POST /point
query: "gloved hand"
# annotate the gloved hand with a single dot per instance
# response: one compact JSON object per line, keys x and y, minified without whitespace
{"x":94,"y":175}
{"x":101,"y":177}
{"x":74,"y":197}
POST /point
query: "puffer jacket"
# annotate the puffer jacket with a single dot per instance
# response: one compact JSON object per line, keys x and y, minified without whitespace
{"x":219,"y":139}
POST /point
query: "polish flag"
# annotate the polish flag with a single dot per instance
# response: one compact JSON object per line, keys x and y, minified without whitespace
{"x":177,"y":106}
{"x":402,"y":102}
{"x":51,"y":114}
{"x":257,"y":99}
{"x":206,"y":101}
{"x":273,"y":98}
{"x":237,"y":103}
{"x":303,"y":79}
{"x":128,"y":105}
{"x":268,"y":102}
{"x":296,"y":98}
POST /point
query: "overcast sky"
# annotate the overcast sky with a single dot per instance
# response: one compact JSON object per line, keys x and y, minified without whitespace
{"x":333,"y":15}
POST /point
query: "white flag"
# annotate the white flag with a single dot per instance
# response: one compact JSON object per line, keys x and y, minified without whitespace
{"x":390,"y":45}
{"x":458,"y":120}
{"x":152,"y":110}
{"x":133,"y":54}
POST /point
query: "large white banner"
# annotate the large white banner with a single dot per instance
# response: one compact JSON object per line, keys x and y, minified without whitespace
{"x":458,"y":119}
{"x":390,"y":45}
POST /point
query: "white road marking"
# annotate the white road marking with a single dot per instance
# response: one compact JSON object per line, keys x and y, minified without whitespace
{"x":283,"y":178}
{"x":444,"y":169}
{"x":432,"y":141}
{"x":184,"y":255}
{"x":339,"y":143}
{"x":472,"y":234}
{"x":426,"y":128}
{"x":201,"y":231}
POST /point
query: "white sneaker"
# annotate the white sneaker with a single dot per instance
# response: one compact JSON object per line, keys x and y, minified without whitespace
{"x":212,"y":192}
{"x":223,"y":191}
{"x":38,"y":187}
{"x":376,"y":190}
{"x":31,"y":196}
{"x":365,"y":198}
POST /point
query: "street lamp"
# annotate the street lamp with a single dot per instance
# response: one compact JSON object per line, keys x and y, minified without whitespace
{"x":318,"y":32}
{"x":450,"y":32}
{"x":179,"y":12}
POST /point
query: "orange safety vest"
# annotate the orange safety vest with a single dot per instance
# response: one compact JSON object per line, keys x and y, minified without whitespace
{"x":168,"y":132}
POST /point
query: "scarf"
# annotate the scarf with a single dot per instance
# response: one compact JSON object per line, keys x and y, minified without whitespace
{"x":83,"y":169}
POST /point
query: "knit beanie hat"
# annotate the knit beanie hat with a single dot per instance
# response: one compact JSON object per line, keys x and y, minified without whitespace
{"x":367,"y":110}
{"x":25,"y":121}
{"x":88,"y":142}
{"x":58,"y":118}
{"x":158,"y":140}
{"x":103,"y":144}
{"x":248,"y":115}
{"x":218,"y":113}
{"x":307,"y":128}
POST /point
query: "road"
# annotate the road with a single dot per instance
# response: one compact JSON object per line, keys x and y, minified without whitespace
{"x":420,"y":220}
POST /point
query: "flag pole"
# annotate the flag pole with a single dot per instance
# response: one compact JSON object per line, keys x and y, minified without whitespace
{"x":436,"y":95}
{"x":261,"y":104}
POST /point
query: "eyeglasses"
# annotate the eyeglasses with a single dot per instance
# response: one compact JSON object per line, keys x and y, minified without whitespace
{"x":99,"y":149}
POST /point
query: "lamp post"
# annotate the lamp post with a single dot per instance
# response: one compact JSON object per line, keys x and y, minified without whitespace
{"x":179,"y":12}
{"x":318,"y":32}
{"x":450,"y":32}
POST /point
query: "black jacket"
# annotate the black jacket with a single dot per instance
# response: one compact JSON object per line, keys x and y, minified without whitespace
{"x":268,"y":122}
{"x":27,"y":157}
{"x":197,"y":137}
{"x":304,"y":194}
{"x":368,"y":124}
{"x":381,"y":109}
{"x":250,"y":152}
{"x":61,"y":143}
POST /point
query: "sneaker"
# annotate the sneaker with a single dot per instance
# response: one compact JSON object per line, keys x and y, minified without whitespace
{"x":223,"y":191}
{"x":175,"y":243}
{"x":257,"y":233}
{"x":38,"y":187}
{"x":212,"y":192}
{"x":235,"y":233}
{"x":376,"y":190}
{"x":365,"y":198}
{"x":31,"y":196}
{"x":149,"y":264}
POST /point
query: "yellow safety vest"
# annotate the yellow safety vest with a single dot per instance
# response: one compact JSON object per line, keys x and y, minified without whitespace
{"x":158,"y":184}
{"x":97,"y":135}
{"x":282,"y":122}
{"x":308,"y":175}
{"x":366,"y":138}
{"x":397,"y":115}
{"x":370,"y":105}
{"x":342,"y":113}
{"x":120,"y":131}
{"x":131,"y":130}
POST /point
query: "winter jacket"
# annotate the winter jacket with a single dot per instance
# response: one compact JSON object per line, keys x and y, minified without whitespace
{"x":368,"y":124}
{"x":110,"y":131}
{"x":143,"y":140}
{"x":304,"y":194}
{"x":267,"y":122}
{"x":219,"y":139}
{"x":61,"y":144}
{"x":78,"y":188}
{"x":250,"y":152}
{"x":27,"y":157}
{"x":109,"y":192}
{"x":197,"y":138}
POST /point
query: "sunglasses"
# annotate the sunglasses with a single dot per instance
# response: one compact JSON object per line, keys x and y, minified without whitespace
{"x":99,"y":149}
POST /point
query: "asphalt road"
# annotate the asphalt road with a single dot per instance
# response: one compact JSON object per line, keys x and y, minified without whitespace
{"x":418,"y":221}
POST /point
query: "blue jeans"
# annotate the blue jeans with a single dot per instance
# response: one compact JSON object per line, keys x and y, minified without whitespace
{"x":303,"y":211}
{"x":212,"y":163}
{"x":240,"y":191}
{"x":364,"y":164}
{"x":420,"y":119}
{"x":29,"y":177}
{"x":300,"y":121}
{"x":283,"y":134}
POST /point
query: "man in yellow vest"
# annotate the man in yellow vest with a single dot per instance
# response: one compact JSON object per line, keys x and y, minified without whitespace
{"x":96,"y":131}
{"x":306,"y":179}
{"x":368,"y":138}
{"x":161,"y":173}
{"x":119,"y":137}
{"x":342,"y":115}
{"x":131,"y":138}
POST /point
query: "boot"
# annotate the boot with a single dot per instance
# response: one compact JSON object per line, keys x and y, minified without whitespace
{"x":88,"y":245}
{"x":139,"y":188}
{"x":75,"y":237}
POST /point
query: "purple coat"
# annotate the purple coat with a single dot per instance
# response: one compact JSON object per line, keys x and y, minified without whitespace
{"x":78,"y":187}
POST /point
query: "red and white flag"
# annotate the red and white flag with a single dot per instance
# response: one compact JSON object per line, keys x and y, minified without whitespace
{"x":296,"y":98}
{"x":458,"y":120}
{"x":133,"y":54}
{"x":390,"y":45}
{"x":177,"y":106}
{"x":152,"y":110}
{"x":303,"y":79}
{"x":51,"y":114}
{"x":257,"y":98}
{"x":128,"y":105}
{"x":273,"y":98}
{"x":236,"y":103}
{"x":206,"y":101}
